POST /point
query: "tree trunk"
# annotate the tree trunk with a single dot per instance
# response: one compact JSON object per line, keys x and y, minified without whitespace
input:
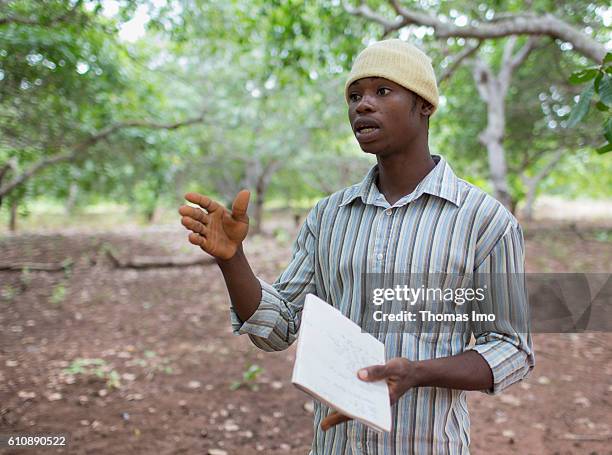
{"x":13,"y":216}
{"x":72,"y":198}
{"x":532,"y":183}
{"x":262,"y":182}
{"x":151,"y":210}
{"x":490,"y":88}
{"x":493,"y":89}
{"x":530,"y":200}
{"x":260,"y":190}
{"x":10,"y":165}
{"x":150,"y":215}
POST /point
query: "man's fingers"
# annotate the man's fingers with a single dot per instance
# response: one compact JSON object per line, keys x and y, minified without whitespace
{"x":195,"y":213}
{"x":197,"y":239}
{"x":333,"y":419}
{"x":373,"y":373}
{"x":194,"y":225}
{"x":241,"y":203}
{"x":203,"y":201}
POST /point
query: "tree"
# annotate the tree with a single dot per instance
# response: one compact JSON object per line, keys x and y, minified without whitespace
{"x":68,"y":89}
{"x":275,"y":98}
{"x":492,"y":86}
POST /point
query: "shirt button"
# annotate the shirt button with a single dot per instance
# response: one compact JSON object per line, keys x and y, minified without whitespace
{"x":379,"y":256}
{"x":389,"y":211}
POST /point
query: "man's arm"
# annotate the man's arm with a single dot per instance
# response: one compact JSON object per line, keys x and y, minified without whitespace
{"x":274,"y":324}
{"x":269,"y":314}
{"x":505,"y":343}
{"x":242,"y":285}
{"x":503,"y":353}
{"x":465,"y":371}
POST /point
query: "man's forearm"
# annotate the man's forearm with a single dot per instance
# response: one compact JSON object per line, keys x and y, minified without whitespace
{"x":243,"y":287}
{"x":465,"y":371}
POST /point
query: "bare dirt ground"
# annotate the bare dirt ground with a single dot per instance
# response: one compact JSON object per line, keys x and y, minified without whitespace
{"x":162,"y":358}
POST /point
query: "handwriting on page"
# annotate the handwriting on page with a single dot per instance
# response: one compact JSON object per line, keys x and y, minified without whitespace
{"x":333,"y":350}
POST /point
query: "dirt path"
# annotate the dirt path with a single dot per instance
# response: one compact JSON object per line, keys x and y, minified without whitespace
{"x":163,"y":359}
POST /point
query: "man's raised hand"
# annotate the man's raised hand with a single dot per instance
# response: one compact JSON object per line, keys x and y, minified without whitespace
{"x":215,"y":229}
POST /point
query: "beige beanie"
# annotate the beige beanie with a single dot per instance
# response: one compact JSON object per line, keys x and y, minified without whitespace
{"x":400,"y":62}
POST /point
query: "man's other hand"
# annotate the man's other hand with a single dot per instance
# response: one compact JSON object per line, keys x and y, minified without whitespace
{"x":399,"y":374}
{"x":216,"y":230}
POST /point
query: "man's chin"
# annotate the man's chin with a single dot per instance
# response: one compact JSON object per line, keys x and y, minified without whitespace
{"x":371,"y":148}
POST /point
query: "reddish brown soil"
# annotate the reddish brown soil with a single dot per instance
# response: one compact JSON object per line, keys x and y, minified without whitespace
{"x":165,"y":333}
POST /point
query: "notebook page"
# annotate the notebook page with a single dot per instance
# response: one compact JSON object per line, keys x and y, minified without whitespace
{"x":331,"y":349}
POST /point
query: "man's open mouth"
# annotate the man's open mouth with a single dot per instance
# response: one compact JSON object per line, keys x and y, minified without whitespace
{"x":366,"y":129}
{"x":367,"y":134}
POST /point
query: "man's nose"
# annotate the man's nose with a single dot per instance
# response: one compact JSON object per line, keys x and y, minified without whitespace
{"x":366,"y":104}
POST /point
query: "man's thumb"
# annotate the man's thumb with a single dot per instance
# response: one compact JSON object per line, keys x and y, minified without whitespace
{"x":374,"y":373}
{"x":241,"y":203}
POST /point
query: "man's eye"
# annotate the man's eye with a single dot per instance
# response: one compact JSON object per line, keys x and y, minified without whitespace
{"x":354,"y":97}
{"x":383,"y":91}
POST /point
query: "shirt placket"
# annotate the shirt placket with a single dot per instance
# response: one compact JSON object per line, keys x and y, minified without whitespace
{"x":383,"y":223}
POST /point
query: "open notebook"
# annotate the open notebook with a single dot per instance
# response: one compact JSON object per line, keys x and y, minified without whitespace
{"x":330,"y":350}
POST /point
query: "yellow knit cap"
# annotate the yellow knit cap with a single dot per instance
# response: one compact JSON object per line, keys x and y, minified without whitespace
{"x":400,"y":62}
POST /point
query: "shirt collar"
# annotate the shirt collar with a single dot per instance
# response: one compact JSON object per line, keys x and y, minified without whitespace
{"x":441,"y":182}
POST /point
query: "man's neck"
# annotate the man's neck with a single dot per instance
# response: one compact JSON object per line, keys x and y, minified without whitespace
{"x":400,"y":173}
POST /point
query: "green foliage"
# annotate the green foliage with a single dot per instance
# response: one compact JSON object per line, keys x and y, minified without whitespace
{"x":25,"y":279}
{"x":583,"y":174}
{"x":249,"y":378}
{"x":95,"y":367}
{"x":8,"y":293}
{"x":269,"y":76}
{"x":152,"y":363}
{"x":58,"y":294}
{"x":599,"y":85}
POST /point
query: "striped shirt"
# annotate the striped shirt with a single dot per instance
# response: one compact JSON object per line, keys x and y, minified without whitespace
{"x":445,"y":225}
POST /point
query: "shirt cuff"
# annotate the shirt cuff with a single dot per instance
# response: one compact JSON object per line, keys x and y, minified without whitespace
{"x":508,"y":363}
{"x":262,"y":321}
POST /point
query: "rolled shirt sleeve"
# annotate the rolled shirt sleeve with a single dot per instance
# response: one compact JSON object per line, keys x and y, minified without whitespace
{"x":506,"y":343}
{"x":275,"y":323}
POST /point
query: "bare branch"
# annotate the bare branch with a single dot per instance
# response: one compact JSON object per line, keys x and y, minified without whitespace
{"x":87,"y":143}
{"x":364,"y":11}
{"x":508,"y":50}
{"x":532,"y":182}
{"x":505,"y":16}
{"x":36,"y":167}
{"x":104,"y":133}
{"x":550,"y":165}
{"x":503,"y":25}
{"x":452,"y":67}
{"x":415,"y":17}
{"x":518,"y":58}
{"x":511,"y":61}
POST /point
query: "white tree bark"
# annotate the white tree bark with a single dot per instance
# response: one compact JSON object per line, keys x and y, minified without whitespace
{"x":503,"y":25}
{"x":493,"y":89}
{"x":532,"y":182}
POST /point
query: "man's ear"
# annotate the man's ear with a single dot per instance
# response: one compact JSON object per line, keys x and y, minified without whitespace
{"x":426,"y":107}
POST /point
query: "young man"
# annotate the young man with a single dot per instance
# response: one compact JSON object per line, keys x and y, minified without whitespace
{"x":409,"y":215}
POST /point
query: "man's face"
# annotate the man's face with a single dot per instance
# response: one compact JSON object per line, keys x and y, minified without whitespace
{"x":385,"y":117}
